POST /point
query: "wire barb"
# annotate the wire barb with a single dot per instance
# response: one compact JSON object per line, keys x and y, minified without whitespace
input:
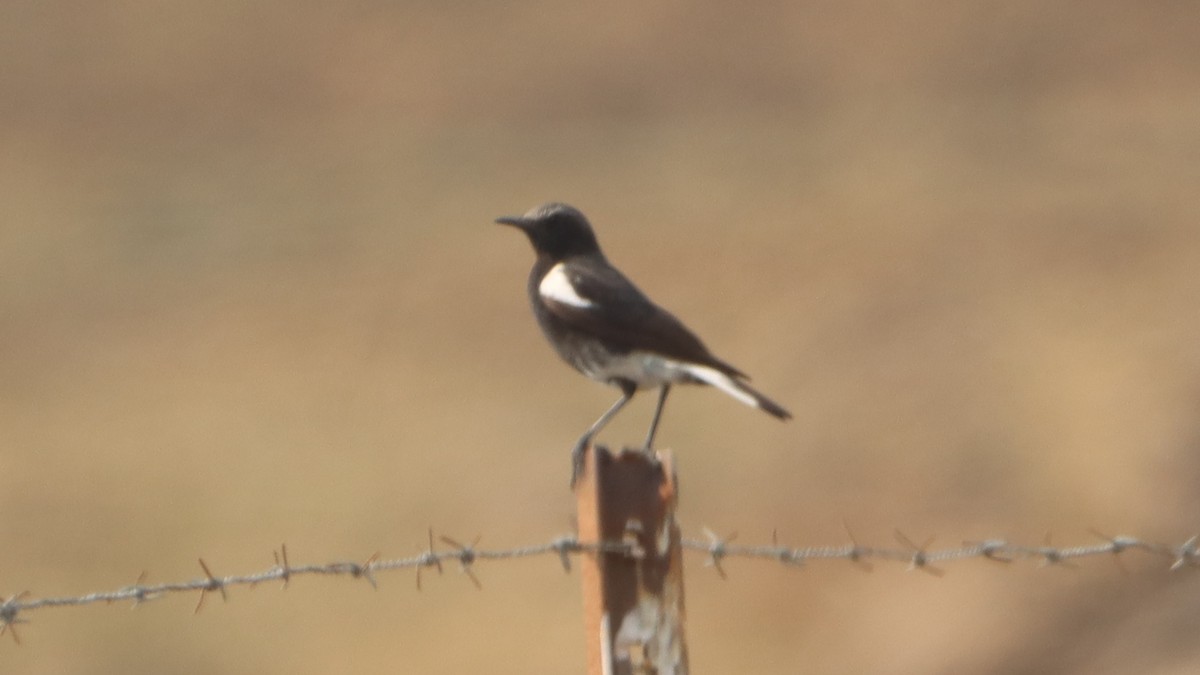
{"x":367,"y":569}
{"x":992,"y":549}
{"x":785,"y":555}
{"x":138,"y":593}
{"x":281,"y":564}
{"x":919,"y":560}
{"x":213,"y":584}
{"x":1186,"y":554}
{"x":429,"y":559}
{"x":718,"y":548}
{"x":857,"y":553}
{"x":1052,"y":556}
{"x":566,"y":545}
{"x":466,"y":557}
{"x":9,"y":609}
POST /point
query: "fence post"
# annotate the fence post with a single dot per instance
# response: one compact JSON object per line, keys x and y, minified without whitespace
{"x":632,"y":603}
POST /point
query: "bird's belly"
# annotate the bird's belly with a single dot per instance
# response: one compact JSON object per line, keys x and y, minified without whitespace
{"x":644,"y":369}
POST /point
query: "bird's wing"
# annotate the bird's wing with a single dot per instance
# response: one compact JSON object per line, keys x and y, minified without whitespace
{"x":599,"y":300}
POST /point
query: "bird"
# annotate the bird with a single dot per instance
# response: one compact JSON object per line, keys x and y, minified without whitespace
{"x":602,"y":325}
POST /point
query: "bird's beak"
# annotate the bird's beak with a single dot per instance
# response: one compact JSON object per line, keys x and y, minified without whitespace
{"x":515,"y":221}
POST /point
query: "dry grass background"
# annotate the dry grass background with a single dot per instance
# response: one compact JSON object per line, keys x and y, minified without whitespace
{"x":252,"y":294}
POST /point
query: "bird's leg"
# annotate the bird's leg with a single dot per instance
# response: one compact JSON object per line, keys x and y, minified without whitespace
{"x":627,"y":392}
{"x":662,"y":400}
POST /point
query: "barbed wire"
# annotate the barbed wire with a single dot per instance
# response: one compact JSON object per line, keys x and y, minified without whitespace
{"x":715,"y":549}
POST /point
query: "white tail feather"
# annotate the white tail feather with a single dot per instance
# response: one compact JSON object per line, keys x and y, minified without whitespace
{"x":721,"y":381}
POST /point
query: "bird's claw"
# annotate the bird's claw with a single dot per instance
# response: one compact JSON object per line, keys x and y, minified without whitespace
{"x":578,"y":454}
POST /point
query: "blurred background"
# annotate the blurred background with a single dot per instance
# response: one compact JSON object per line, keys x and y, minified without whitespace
{"x":251,"y":293}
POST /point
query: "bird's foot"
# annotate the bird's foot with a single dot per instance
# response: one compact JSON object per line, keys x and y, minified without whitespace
{"x":578,"y":455}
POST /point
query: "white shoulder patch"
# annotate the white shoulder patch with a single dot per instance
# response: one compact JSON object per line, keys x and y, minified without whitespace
{"x":556,"y":286}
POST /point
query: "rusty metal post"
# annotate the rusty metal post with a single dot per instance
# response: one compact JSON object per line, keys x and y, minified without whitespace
{"x":632,"y":603}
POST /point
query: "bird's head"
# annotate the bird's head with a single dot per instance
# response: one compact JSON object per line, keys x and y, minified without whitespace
{"x":556,"y":231}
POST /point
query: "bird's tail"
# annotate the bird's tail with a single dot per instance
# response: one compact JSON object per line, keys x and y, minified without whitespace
{"x":738,"y":389}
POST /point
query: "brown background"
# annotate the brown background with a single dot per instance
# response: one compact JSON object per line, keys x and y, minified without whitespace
{"x":251,"y":294}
